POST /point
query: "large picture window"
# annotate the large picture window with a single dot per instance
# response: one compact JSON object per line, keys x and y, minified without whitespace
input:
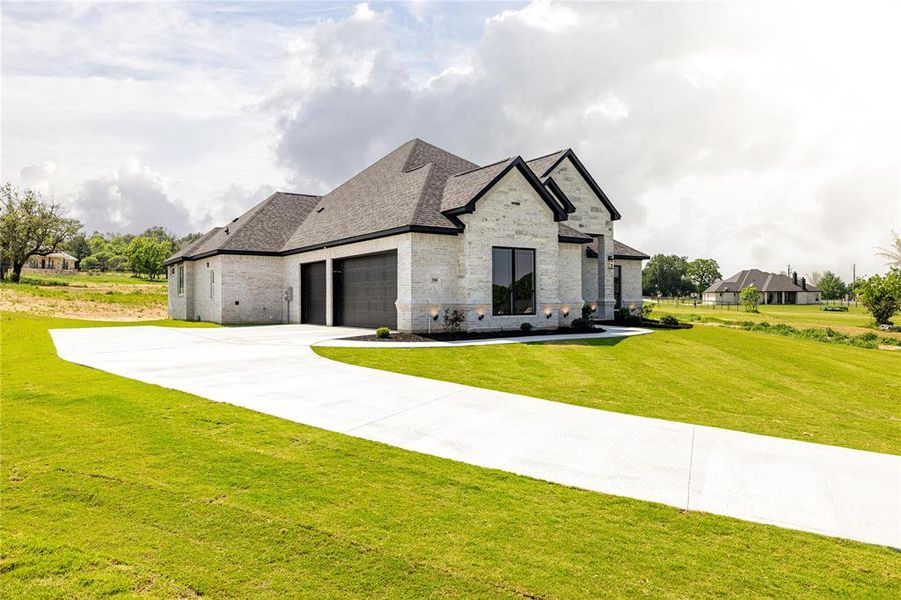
{"x":513,"y":281}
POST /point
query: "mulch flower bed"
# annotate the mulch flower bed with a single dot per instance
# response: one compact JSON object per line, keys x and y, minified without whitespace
{"x":466,"y":335}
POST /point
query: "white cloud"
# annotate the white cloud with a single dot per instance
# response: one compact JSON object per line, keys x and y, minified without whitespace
{"x":743,"y":131}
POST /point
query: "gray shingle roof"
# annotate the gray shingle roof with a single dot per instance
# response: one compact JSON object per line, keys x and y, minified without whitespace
{"x":565,"y":232}
{"x":763,"y":281}
{"x":620,"y":250}
{"x":414,"y":187}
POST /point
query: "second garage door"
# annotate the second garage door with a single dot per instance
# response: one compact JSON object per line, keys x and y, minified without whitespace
{"x":366,"y":290}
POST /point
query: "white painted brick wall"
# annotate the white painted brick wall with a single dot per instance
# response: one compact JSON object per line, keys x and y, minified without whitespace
{"x":255,"y":282}
{"x":630,"y":272}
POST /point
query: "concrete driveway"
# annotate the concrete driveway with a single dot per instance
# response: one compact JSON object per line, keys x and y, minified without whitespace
{"x":825,"y":489}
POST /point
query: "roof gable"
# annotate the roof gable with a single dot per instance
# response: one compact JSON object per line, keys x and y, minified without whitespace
{"x":544,"y":165}
{"x":464,"y":190}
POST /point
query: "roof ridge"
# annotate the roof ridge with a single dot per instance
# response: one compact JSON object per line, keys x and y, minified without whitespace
{"x":497,"y":162}
{"x":417,"y":208}
{"x":562,"y":150}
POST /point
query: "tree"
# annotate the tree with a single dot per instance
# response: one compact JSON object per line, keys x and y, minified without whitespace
{"x":78,"y":247}
{"x":750,"y":298}
{"x":28,"y":226}
{"x":881,"y":295}
{"x":892,"y":252}
{"x":666,"y":276}
{"x":832,"y":287}
{"x":146,"y":255}
{"x":703,"y":272}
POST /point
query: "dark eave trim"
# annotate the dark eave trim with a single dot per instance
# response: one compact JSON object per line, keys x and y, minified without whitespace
{"x":565,"y":239}
{"x":614,"y":214}
{"x":341,"y":242}
{"x":592,"y":253}
{"x":374,"y":236}
{"x":520,"y":164}
{"x":568,"y":207}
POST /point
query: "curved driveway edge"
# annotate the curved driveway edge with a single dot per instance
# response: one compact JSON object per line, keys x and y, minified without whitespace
{"x":272,"y":369}
{"x":609,"y":332}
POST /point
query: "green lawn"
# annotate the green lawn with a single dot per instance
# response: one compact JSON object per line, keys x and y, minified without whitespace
{"x":112,"y":486}
{"x":754,"y":382}
{"x":857,"y":320}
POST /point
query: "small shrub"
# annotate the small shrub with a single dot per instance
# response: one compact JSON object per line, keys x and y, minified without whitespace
{"x":382,"y":333}
{"x":750,"y":298}
{"x":646,"y":310}
{"x":527,"y":327}
{"x":669,"y":320}
{"x":582,"y":324}
{"x":587,"y":311}
{"x":453,"y":319}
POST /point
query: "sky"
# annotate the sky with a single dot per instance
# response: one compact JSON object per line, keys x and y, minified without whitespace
{"x":759,"y":134}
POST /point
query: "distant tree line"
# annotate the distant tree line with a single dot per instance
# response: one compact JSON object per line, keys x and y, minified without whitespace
{"x":32,"y":226}
{"x":672,"y":276}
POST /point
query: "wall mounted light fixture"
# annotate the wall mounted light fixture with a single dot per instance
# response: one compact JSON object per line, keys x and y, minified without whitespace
{"x":609,"y":261}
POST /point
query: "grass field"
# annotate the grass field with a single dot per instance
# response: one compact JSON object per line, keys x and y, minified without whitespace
{"x":856,"y":321}
{"x":112,"y":486}
{"x":714,"y":376}
{"x":113,"y":296}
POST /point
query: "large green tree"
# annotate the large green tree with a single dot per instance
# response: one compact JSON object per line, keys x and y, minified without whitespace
{"x":703,"y":272}
{"x":28,"y":226}
{"x":146,"y":255}
{"x":831,"y":286}
{"x":666,"y":275}
{"x":881,"y":295}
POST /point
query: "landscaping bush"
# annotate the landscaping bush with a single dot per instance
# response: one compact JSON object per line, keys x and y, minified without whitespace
{"x":382,"y":333}
{"x":453,"y":319}
{"x":527,"y":327}
{"x":646,"y":310}
{"x":828,"y":335}
{"x":669,"y":320}
{"x":587,"y":311}
{"x":750,"y":298}
{"x":582,"y":324}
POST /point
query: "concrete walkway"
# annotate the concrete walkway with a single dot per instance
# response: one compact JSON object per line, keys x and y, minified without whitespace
{"x":825,"y":489}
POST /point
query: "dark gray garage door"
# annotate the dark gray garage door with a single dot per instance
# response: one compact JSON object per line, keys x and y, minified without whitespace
{"x":366,"y":290}
{"x":312,"y":293}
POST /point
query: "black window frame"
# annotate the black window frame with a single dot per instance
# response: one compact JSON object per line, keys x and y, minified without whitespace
{"x":511,"y":300}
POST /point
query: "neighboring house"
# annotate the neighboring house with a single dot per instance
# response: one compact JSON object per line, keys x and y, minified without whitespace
{"x":56,"y":261}
{"x":774,"y":289}
{"x":418,"y":232}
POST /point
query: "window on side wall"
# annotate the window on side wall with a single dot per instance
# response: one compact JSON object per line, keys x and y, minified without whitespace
{"x":513,"y":281}
{"x":180,"y":280}
{"x":212,"y":283}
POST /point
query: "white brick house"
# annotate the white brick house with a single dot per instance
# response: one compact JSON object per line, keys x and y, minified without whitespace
{"x":418,"y":232}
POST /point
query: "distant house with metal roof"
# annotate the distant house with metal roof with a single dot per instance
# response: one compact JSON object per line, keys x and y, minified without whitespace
{"x":775,"y":288}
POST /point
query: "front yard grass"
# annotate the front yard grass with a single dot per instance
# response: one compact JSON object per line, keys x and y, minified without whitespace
{"x":748,"y":381}
{"x":855,"y":320}
{"x":113,"y":486}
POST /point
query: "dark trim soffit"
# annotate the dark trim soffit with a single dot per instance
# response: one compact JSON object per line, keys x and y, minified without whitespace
{"x":342,"y":242}
{"x":614,"y":214}
{"x":565,"y":239}
{"x":593,"y":254}
{"x":568,"y":207}
{"x":520,"y":164}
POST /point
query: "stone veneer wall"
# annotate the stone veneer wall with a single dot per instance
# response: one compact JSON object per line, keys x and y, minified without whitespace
{"x":591,"y":217}
{"x":180,"y":306}
{"x":510,"y":214}
{"x":630,"y":272}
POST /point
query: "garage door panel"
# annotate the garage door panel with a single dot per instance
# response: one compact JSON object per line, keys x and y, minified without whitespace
{"x":366,"y":289}
{"x":312,"y":293}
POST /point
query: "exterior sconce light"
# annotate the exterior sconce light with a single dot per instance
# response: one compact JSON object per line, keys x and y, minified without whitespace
{"x":594,"y":307}
{"x":547,"y":314}
{"x":480,"y":311}
{"x":609,"y":261}
{"x":481,"y":316}
{"x":434,"y":316}
{"x":565,"y":311}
